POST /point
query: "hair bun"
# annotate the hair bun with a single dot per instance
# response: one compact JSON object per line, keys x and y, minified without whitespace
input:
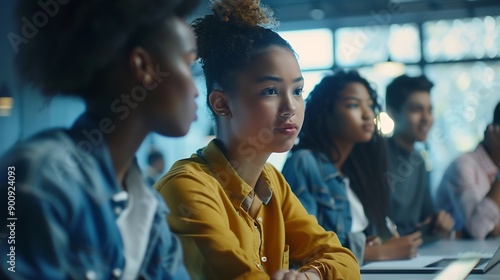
{"x":246,"y":13}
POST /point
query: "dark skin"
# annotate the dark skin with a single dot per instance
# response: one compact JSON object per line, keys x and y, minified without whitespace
{"x":270,"y":88}
{"x":129,"y":133}
{"x":354,"y":114}
{"x":273,"y":94}
{"x":413,"y":122}
{"x":157,"y":112}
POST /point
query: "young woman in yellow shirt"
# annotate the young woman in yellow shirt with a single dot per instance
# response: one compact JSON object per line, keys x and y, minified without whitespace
{"x":235,"y":214}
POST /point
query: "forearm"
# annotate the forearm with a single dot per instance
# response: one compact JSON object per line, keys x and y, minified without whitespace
{"x":338,"y":265}
{"x":322,"y":250}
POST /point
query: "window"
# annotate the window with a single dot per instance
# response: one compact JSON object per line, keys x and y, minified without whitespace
{"x":463,"y":98}
{"x":471,"y":38}
{"x":314,"y":47}
{"x":357,"y":46}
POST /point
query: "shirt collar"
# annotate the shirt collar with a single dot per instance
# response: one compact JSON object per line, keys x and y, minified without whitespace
{"x":239,"y":192}
{"x":485,"y":161}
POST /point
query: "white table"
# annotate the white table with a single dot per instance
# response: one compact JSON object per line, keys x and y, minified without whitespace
{"x":446,"y":247}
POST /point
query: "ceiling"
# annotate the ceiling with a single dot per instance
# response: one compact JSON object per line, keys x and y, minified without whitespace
{"x":298,"y":10}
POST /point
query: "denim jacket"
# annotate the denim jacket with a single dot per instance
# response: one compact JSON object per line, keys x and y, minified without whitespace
{"x":67,"y":202}
{"x":319,"y":186}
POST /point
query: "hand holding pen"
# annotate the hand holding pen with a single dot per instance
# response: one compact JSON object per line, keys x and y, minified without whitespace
{"x":391,"y":226}
{"x":400,"y":247}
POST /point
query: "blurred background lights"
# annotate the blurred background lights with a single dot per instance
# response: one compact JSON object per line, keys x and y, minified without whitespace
{"x":6,"y":101}
{"x":317,"y":14}
{"x":319,"y":40}
{"x":463,"y":81}
{"x":489,"y":24}
{"x":385,"y":124}
{"x":389,"y":68}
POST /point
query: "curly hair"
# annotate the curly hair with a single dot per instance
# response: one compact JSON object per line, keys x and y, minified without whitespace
{"x":403,"y":86}
{"x":230,"y":38}
{"x":319,"y":122}
{"x":366,"y":164}
{"x":79,"y":38}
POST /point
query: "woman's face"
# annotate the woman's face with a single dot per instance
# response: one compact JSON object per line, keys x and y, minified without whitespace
{"x":171,"y":106}
{"x":266,"y":105}
{"x":353,"y":114}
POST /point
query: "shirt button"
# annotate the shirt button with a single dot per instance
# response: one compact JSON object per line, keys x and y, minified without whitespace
{"x":117,"y":272}
{"x":263,"y":259}
{"x":118,"y":210}
{"x":90,"y":275}
{"x":259,"y":219}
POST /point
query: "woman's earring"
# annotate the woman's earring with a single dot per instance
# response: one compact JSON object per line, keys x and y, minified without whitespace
{"x":223,"y":114}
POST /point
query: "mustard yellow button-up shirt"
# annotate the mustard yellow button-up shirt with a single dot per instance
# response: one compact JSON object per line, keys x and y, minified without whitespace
{"x":222,"y":241}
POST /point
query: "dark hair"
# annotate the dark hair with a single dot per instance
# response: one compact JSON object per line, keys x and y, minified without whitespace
{"x":154,"y":156}
{"x":496,"y":114}
{"x":82,"y":37}
{"x":403,"y":86}
{"x":230,"y":38}
{"x":319,"y":122}
{"x":366,"y":165}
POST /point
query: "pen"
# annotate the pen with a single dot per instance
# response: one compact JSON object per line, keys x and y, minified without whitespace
{"x":392,"y":227}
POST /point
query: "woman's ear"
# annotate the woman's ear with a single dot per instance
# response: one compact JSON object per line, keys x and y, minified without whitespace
{"x":141,"y":66}
{"x":220,"y":103}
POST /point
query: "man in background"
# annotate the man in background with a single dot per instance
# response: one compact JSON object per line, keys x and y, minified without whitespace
{"x":409,"y":105}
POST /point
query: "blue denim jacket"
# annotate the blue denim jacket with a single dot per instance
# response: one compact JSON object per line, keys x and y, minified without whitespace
{"x":318,"y":185}
{"x":67,"y":201}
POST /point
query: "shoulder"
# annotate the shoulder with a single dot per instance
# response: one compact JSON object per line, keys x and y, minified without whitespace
{"x":186,"y":174}
{"x":465,"y":162}
{"x":49,"y":169}
{"x":302,"y":155}
{"x":270,"y":170}
{"x":38,"y":145}
{"x":472,"y":158}
{"x":194,"y":165}
{"x":50,"y":155}
{"x":303,"y":159}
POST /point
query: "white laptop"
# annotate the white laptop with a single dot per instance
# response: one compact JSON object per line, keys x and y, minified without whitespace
{"x":431,"y":264}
